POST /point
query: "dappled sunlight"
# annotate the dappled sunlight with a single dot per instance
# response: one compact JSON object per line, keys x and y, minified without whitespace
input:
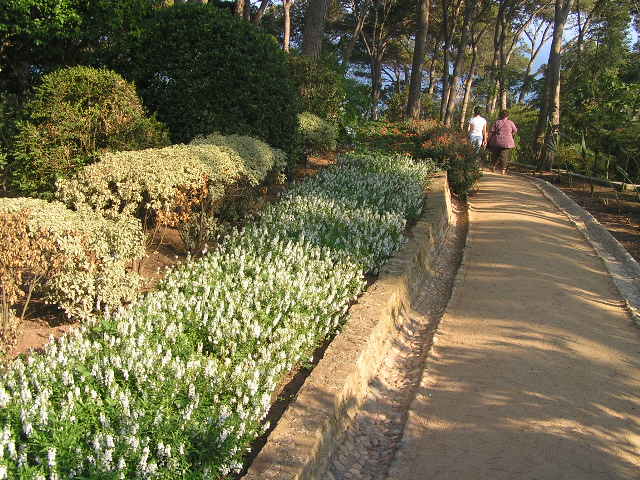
{"x":535,"y":372}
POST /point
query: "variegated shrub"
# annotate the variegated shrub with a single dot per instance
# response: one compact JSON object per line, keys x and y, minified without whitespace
{"x":91,"y":253}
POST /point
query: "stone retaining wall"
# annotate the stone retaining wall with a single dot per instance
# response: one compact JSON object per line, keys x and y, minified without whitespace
{"x":301,"y":444}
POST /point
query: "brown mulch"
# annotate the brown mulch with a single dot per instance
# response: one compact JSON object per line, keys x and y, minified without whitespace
{"x":619,"y":212}
{"x":44,"y":322}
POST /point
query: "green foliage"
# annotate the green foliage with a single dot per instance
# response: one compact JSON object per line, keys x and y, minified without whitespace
{"x":318,"y":135}
{"x":602,"y":103}
{"x":178,"y":384}
{"x":358,"y":103}
{"x":76,"y":114}
{"x":525,"y":119}
{"x":397,"y":105}
{"x":39,"y":36}
{"x":320,"y":87}
{"x":95,"y":255}
{"x":9,"y":111}
{"x":203,"y":70}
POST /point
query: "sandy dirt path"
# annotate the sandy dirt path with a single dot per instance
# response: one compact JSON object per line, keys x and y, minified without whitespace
{"x":536,"y":369}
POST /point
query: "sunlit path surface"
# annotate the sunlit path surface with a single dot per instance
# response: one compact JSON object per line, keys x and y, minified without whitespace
{"x":536,"y":370}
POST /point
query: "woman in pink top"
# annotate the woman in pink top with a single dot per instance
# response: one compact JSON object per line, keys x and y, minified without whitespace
{"x":501,"y":141}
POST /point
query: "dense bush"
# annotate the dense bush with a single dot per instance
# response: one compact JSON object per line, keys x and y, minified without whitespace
{"x":9,"y":112}
{"x":86,"y":256}
{"x":397,"y":106}
{"x":318,"y":135}
{"x":183,"y":186}
{"x":76,"y":114}
{"x":203,"y":70}
{"x":259,"y":158}
{"x":321,"y":88}
{"x":178,"y":384}
{"x":156,"y":185}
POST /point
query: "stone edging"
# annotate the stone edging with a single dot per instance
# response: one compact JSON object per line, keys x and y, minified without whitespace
{"x":301,"y":444}
{"x":623,"y":268}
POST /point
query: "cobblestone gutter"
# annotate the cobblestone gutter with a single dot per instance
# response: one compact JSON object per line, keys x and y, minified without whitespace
{"x":301,"y":444}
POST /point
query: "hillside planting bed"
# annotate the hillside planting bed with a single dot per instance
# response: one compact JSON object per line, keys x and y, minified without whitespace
{"x":178,"y":384}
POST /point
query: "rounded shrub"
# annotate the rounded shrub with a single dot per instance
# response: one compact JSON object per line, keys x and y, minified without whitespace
{"x":76,"y":114}
{"x":318,"y":135}
{"x":322,"y":89}
{"x":203,"y":70}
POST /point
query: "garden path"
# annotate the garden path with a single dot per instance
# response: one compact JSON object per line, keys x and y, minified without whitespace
{"x":535,"y":371}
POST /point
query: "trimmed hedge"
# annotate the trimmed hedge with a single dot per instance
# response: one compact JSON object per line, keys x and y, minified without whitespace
{"x":158,"y":185}
{"x":259,"y":158}
{"x":318,"y":135}
{"x":167,"y":185}
{"x":178,"y":384}
{"x":190,"y":187}
{"x":76,"y":114}
{"x":204,"y":70}
{"x":91,"y":254}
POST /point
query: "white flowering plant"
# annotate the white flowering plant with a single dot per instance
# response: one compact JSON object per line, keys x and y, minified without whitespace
{"x":178,"y":384}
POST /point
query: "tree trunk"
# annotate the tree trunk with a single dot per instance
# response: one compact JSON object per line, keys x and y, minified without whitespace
{"x":287,"y":24}
{"x":239,"y":8}
{"x":469,"y":7}
{"x":348,"y":50}
{"x":491,"y":101}
{"x":467,"y":85}
{"x":257,"y":19}
{"x":376,"y":77}
{"x":314,"y":20}
{"x":415,"y":87}
{"x":504,"y":98}
{"x":550,"y":111}
{"x":432,"y":67}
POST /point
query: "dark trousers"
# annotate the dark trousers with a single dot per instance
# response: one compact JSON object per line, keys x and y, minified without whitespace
{"x":500,"y":157}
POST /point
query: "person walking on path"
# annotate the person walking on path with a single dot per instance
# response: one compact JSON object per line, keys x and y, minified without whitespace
{"x":501,"y":141}
{"x":477,"y":130}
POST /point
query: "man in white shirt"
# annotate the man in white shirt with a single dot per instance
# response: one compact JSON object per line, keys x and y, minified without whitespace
{"x":478,"y":130}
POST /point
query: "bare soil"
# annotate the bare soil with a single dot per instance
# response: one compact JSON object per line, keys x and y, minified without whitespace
{"x":44,"y":322}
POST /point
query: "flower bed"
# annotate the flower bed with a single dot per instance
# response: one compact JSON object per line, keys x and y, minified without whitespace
{"x":428,"y":139}
{"x":178,"y":384}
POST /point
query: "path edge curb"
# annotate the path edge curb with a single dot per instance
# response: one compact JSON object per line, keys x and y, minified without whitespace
{"x":300,"y":446}
{"x":399,"y":460}
{"x":622,"y":267}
